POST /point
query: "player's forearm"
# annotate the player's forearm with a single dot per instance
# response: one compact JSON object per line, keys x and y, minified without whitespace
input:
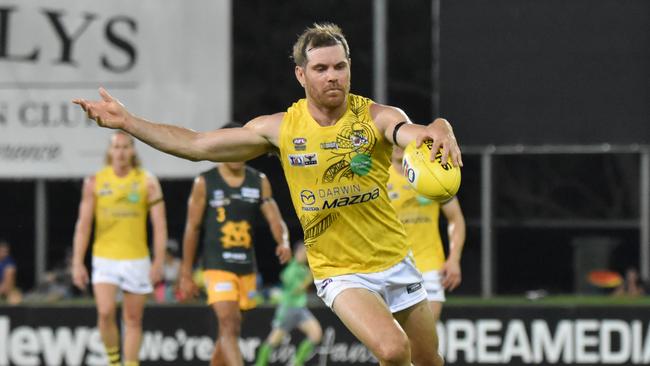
{"x":6,"y":284}
{"x":11,"y":279}
{"x":410,"y":131}
{"x":456,"y":234}
{"x":280,"y":232}
{"x":218,"y":146}
{"x":80,"y":245}
{"x":158,"y":218}
{"x":190,"y":240}
{"x":171,"y":139}
{"x":159,"y":242}
{"x":443,"y":125}
{"x":454,"y":253}
{"x":276,"y":223}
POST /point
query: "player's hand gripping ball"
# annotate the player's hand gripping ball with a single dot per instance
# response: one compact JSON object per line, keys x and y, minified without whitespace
{"x":432,"y":179}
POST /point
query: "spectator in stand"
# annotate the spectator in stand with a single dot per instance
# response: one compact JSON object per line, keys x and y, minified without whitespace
{"x":56,"y":283}
{"x":8,"y":290}
{"x":167,"y":290}
{"x":632,"y":285}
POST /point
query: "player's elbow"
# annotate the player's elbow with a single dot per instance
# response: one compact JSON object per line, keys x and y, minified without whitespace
{"x":193,"y":158}
{"x":195,"y":154}
{"x":160,"y":230}
{"x":199,"y":148}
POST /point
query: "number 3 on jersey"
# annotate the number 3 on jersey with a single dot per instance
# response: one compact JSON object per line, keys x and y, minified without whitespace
{"x":221,"y":214}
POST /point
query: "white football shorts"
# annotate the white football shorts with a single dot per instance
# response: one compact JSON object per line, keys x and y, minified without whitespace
{"x":400,"y":285}
{"x":433,"y":285}
{"x":131,"y":275}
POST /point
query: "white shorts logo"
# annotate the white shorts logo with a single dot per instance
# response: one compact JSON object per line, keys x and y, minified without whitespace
{"x":223,"y":286}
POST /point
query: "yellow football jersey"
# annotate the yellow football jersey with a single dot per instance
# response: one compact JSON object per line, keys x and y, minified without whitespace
{"x":121,"y":215}
{"x":420,"y":218}
{"x":337,"y":178}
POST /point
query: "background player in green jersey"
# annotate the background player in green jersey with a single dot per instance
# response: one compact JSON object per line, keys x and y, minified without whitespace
{"x":292,"y":311}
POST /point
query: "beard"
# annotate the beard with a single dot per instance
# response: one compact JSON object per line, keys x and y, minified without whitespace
{"x":330,"y":98}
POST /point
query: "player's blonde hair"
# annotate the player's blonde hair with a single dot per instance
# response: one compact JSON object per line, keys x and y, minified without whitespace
{"x":318,"y":35}
{"x":135,"y":160}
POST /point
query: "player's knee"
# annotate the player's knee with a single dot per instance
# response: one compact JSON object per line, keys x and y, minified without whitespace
{"x":397,"y":351}
{"x":435,"y":360}
{"x":438,"y":360}
{"x":276,"y":337}
{"x":230,"y":326}
{"x":105,"y":317}
{"x":315,"y":335}
{"x":132,"y":320}
{"x":273,"y":343}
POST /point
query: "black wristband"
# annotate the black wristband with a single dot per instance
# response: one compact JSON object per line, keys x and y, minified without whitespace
{"x":156,"y":201}
{"x":397,"y":127}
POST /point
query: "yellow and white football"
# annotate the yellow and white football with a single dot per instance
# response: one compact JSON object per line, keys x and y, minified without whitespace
{"x":432,"y":179}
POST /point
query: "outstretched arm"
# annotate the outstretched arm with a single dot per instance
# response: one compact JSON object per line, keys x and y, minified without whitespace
{"x":276,"y":223}
{"x":232,"y":144}
{"x":451,"y":272}
{"x":440,"y":131}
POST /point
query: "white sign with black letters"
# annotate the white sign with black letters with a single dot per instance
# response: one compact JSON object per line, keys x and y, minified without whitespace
{"x":167,"y":61}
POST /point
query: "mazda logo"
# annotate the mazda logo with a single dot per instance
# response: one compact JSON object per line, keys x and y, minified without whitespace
{"x":307,"y":197}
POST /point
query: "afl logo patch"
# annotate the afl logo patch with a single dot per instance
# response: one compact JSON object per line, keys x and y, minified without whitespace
{"x":299,"y":143}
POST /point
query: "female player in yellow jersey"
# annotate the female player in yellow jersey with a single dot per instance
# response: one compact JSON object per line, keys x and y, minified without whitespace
{"x":420,"y":218}
{"x":335,"y":150}
{"x":118,"y":198}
